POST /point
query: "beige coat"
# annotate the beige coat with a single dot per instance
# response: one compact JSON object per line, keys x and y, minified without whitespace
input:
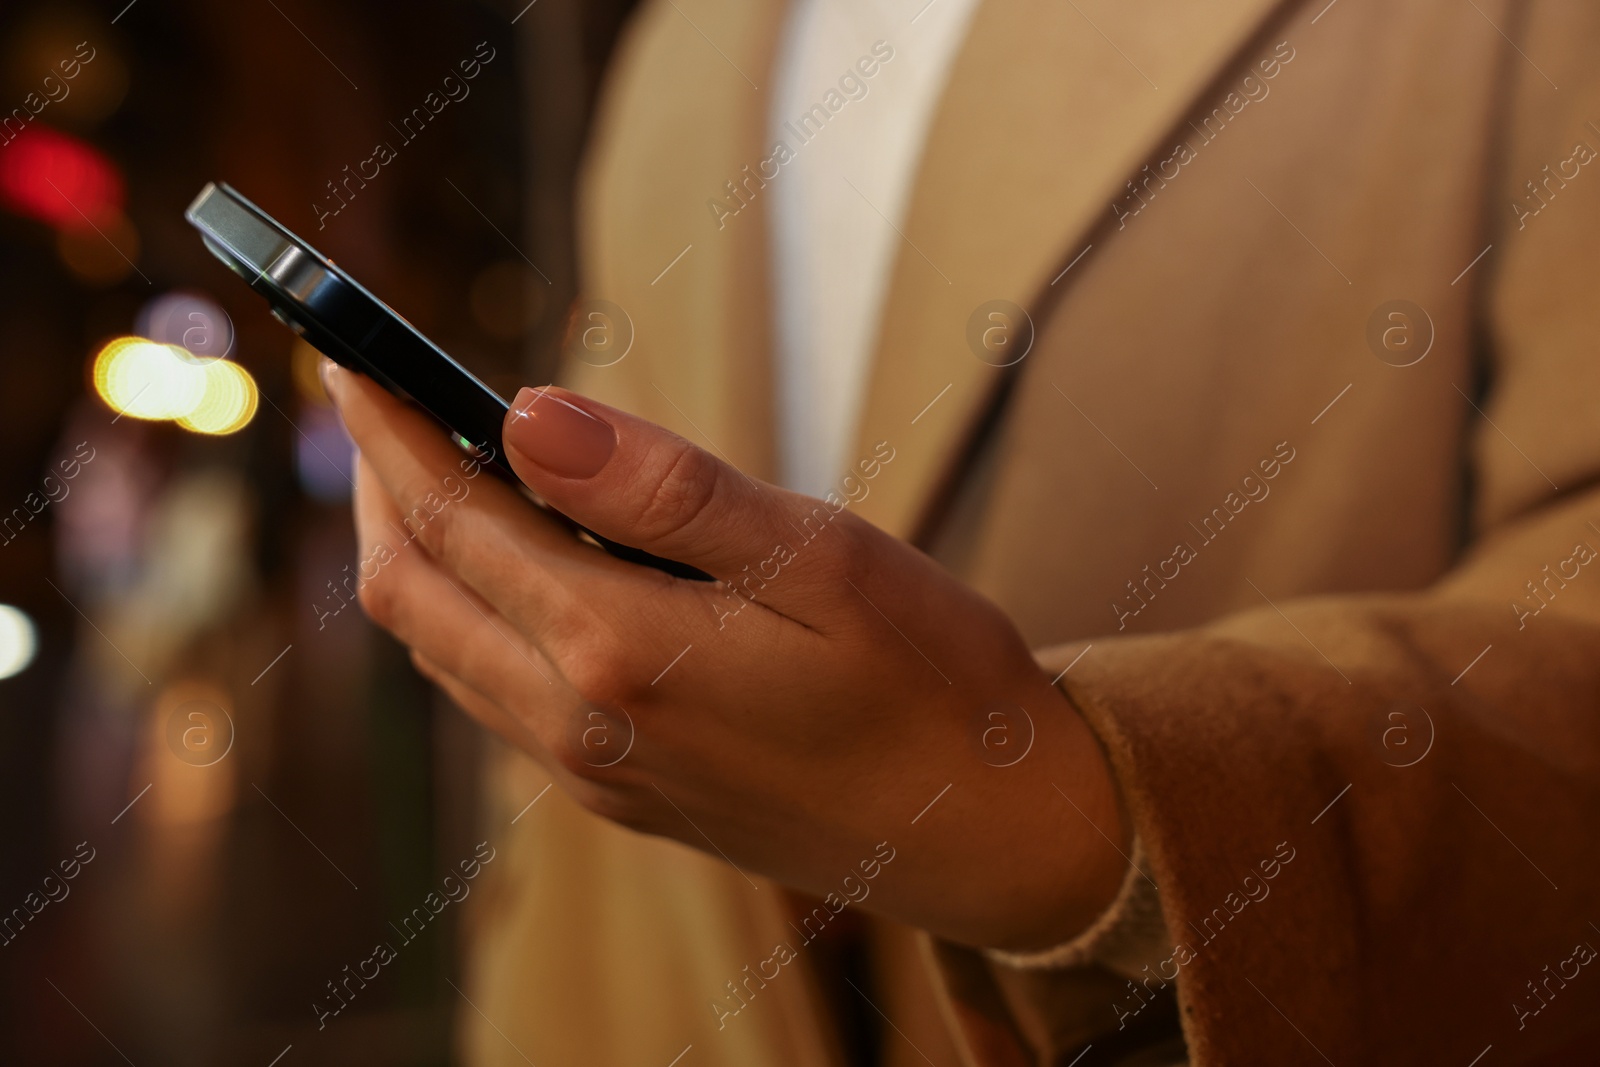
{"x":1338,"y":607}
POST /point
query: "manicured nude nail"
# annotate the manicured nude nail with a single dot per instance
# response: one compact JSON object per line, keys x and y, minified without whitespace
{"x":558,"y":436}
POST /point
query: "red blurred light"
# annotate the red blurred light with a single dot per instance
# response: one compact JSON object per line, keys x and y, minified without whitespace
{"x":58,"y":179}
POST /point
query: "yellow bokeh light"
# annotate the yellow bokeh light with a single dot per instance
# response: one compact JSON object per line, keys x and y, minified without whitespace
{"x":148,"y":380}
{"x":304,"y":363}
{"x":228,"y":403}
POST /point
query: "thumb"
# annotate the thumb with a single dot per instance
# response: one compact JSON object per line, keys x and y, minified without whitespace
{"x":633,"y":482}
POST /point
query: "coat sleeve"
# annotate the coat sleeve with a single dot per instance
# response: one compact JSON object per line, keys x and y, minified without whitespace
{"x":1373,"y":819}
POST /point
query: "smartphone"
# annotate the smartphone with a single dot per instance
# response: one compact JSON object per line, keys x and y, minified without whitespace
{"x":345,"y":322}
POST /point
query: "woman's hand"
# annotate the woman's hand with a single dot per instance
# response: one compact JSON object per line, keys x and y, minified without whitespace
{"x":791,"y":716}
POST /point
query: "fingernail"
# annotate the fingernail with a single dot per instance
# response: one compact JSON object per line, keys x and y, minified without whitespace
{"x":558,"y":436}
{"x":325,"y":371}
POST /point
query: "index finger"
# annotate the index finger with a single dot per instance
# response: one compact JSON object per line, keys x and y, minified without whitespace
{"x":561,"y":593}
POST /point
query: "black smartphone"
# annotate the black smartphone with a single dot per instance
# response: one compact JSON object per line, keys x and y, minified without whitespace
{"x":345,"y":322}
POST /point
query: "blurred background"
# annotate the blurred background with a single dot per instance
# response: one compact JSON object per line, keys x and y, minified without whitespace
{"x":217,"y":786}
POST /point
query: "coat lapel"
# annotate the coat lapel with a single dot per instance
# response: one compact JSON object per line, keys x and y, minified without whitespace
{"x":1049,"y":110}
{"x":682,"y":126}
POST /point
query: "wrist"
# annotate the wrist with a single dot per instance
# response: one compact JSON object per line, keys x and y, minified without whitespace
{"x":1029,"y":853}
{"x":1072,"y":809}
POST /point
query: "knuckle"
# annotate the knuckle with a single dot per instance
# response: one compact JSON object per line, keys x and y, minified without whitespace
{"x":854,"y":548}
{"x":568,"y":753}
{"x":600,"y":677}
{"x":422,"y":665}
{"x":594,"y":741}
{"x":565,"y":619}
{"x":432,"y":525}
{"x":845,"y":553}
{"x":380,"y":600}
{"x":685,"y":486}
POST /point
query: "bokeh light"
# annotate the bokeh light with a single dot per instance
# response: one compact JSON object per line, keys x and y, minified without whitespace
{"x":227,"y":403}
{"x":194,"y":321}
{"x":324,"y":454}
{"x":59,"y":180}
{"x":87,"y":74}
{"x":18,"y":641}
{"x":305,"y":368}
{"x":147,"y":380}
{"x":144,"y":379}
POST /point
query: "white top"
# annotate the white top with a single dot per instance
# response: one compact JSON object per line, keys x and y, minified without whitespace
{"x":836,"y":204}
